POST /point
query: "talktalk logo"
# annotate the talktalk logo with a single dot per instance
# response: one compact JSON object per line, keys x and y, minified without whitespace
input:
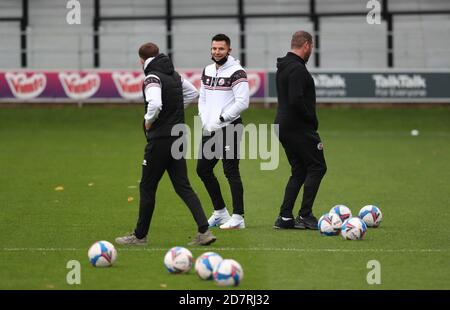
{"x":399,"y":81}
{"x":329,"y":81}
{"x":79,"y":86}
{"x":26,"y":85}
{"x":128,"y":84}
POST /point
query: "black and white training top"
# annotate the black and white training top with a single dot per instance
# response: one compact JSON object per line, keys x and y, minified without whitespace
{"x":224,"y":92}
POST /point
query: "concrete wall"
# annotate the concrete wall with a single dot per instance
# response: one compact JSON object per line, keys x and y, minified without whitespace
{"x":346,"y":42}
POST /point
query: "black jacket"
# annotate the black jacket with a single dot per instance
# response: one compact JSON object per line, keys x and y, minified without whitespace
{"x":296,"y":96}
{"x":172,"y":111}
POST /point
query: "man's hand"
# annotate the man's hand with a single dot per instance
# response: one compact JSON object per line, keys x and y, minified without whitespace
{"x":147,"y":126}
{"x":213,"y":127}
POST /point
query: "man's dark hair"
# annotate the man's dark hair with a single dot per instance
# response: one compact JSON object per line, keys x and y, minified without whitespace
{"x":148,"y":50}
{"x":222,"y":37}
{"x":299,"y":38}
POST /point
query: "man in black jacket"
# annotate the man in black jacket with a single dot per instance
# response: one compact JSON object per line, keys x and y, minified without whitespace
{"x":165,"y":94}
{"x":298,"y":124}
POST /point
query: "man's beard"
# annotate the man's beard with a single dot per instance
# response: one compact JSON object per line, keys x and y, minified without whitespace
{"x":307,"y":56}
{"x":221,"y":61}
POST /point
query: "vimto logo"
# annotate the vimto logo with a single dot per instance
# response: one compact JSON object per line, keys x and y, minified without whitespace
{"x":26,"y":86}
{"x":128,"y":84}
{"x":254,"y":82}
{"x":77,"y":86}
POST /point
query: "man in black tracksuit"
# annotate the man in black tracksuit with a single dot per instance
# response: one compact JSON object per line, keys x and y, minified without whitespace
{"x":298,"y":124}
{"x":165,"y":93}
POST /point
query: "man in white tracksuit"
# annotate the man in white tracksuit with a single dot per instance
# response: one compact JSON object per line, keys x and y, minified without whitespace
{"x":224,"y":94}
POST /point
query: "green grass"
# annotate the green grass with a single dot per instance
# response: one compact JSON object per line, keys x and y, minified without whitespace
{"x":371,"y":157}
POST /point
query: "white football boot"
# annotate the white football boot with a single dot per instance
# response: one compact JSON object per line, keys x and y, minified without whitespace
{"x":219,"y":217}
{"x":235,"y":222}
{"x":131,"y":239}
{"x":203,"y":239}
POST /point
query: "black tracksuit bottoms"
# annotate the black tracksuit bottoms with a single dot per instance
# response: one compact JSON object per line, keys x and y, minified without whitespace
{"x":305,"y":155}
{"x":157,"y":160}
{"x":230,"y":154}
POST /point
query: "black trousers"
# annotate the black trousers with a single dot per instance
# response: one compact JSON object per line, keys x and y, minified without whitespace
{"x":226,"y":142}
{"x":305,"y":155}
{"x":157,"y":160}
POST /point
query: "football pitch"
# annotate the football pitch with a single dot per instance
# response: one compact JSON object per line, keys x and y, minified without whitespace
{"x":69,"y":177}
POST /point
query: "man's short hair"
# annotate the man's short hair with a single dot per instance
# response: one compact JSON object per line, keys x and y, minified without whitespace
{"x":222,"y":37}
{"x":299,"y":38}
{"x":148,"y":50}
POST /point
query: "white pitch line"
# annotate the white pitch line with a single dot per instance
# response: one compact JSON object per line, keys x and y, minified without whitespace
{"x":254,"y":249}
{"x":399,"y":133}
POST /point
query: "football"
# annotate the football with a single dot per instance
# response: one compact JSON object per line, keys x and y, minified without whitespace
{"x":206,"y":263}
{"x":353,"y":229}
{"x":329,"y":224}
{"x":228,"y":273}
{"x":102,"y":254}
{"x":371,"y":215}
{"x":343,"y":211}
{"x":178,"y":260}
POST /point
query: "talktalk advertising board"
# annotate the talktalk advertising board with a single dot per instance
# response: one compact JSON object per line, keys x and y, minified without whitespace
{"x":376,"y":86}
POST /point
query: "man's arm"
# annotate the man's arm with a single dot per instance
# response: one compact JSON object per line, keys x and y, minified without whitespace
{"x":241,"y":91}
{"x":296,"y":93}
{"x":190,"y":93}
{"x":152,"y":93}
{"x":201,"y":98}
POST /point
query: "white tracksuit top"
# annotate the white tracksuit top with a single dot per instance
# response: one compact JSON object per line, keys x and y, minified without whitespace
{"x":223,"y":92}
